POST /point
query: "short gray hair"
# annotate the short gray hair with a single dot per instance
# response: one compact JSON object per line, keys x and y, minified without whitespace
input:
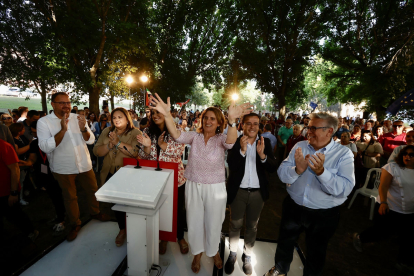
{"x":330,"y":120}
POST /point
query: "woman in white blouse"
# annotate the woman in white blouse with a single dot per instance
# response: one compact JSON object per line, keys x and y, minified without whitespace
{"x":394,"y":210}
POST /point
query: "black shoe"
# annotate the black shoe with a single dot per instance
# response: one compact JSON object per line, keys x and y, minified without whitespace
{"x":247,"y":265}
{"x":229,"y":266}
{"x":274,"y":272}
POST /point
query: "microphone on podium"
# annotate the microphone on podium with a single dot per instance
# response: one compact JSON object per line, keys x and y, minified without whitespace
{"x":137,"y":166}
{"x":158,"y":161}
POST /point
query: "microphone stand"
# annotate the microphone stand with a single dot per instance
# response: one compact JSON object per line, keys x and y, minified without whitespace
{"x":158,"y":159}
{"x":137,"y":166}
{"x":158,"y":162}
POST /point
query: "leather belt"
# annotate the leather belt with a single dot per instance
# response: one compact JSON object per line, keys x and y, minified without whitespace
{"x":250,"y":189}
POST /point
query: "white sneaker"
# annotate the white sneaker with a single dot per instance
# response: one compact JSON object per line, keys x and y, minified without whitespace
{"x":23,"y":202}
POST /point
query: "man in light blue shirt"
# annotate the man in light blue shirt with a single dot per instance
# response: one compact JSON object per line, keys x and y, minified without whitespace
{"x":268,"y":134}
{"x":319,"y":174}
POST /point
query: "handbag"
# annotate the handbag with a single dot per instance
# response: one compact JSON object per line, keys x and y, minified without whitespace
{"x":359,"y":159}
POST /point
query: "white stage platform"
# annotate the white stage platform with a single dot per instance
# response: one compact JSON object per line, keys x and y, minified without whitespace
{"x":94,"y":253}
{"x":262,"y":261}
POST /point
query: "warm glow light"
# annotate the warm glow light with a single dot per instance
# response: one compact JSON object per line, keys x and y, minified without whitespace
{"x":235,"y":97}
{"x":129,"y":79}
{"x":144,"y":78}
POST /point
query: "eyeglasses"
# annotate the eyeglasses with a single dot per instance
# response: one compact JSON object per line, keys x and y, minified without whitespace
{"x":6,"y":118}
{"x":63,"y":103}
{"x":410,"y":154}
{"x":395,"y":126}
{"x":313,"y":129}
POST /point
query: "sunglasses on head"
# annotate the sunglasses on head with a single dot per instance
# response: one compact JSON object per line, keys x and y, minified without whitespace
{"x":395,"y":126}
{"x":410,"y":154}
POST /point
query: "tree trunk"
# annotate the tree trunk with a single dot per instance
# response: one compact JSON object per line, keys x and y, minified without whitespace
{"x":43,"y":95}
{"x":112,"y":100}
{"x":282,"y":103}
{"x":94,"y":93}
{"x":380,"y":112}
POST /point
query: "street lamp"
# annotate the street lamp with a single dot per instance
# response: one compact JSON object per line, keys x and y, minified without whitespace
{"x":143,"y":79}
{"x":129,"y":80}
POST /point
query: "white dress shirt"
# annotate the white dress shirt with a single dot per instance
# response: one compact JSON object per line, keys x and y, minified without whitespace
{"x":250,"y":178}
{"x":71,"y":156}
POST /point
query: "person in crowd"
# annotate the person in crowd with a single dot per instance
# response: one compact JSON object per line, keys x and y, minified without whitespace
{"x":346,"y":141}
{"x":175,"y":117}
{"x":205,"y":189}
{"x":98,"y":127}
{"x":272,"y":122}
{"x":15,"y":115}
{"x":91,"y":119}
{"x":63,"y":137}
{"x":41,"y":114}
{"x":73,"y":111}
{"x":86,"y":109}
{"x":368,"y":125}
{"x":293,"y":139}
{"x":282,"y":136}
{"x":305,"y":126}
{"x":267,"y":133}
{"x":134,"y":118}
{"x":394,"y":209}
{"x":22,"y":146}
{"x":393,"y":139}
{"x":370,"y":151}
{"x":147,"y":113}
{"x":247,"y":187}
{"x":379,"y":131}
{"x":6,"y":119}
{"x":144,"y":124}
{"x":158,"y":144}
{"x":32,"y":116}
{"x":76,"y":108}
{"x":387,"y":126}
{"x":9,"y":192}
{"x":43,"y":175}
{"x":320,"y":175}
{"x":111,"y":145}
{"x":356,"y":133}
{"x":105,"y":109}
{"x":197,"y":120}
{"x":5,"y":135}
{"x":22,"y":113}
{"x":341,"y":129}
{"x":409,"y":139}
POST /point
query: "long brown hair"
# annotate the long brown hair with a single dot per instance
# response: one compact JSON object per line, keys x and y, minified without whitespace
{"x":219,"y":118}
{"x":130,"y":124}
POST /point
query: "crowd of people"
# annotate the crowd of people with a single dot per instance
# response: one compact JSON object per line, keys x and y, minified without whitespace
{"x":319,"y":157}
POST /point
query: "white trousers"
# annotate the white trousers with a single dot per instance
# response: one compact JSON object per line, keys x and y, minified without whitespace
{"x":206,"y":209}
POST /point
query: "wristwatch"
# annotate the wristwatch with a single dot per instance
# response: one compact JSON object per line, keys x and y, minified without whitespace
{"x":85,"y":130}
{"x":233,"y":124}
{"x":14,"y":193}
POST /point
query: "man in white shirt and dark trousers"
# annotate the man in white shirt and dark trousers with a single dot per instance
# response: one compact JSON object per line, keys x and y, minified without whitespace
{"x":63,"y":137}
{"x":249,"y":161}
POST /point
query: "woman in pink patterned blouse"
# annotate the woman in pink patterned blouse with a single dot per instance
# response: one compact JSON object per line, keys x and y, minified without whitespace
{"x":205,"y":189}
{"x":157,"y":141}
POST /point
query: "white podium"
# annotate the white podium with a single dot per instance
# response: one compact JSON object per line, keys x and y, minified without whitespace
{"x":143,"y":195}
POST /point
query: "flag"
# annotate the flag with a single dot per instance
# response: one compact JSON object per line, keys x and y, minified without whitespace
{"x":183,"y":103}
{"x":406,"y":99}
{"x":147,"y":102}
{"x":313,"y":105}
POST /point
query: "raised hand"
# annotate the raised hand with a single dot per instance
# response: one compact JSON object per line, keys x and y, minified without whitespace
{"x":301,"y":162}
{"x":144,"y":140}
{"x":64,"y":122}
{"x":315,"y":162}
{"x":81,"y":122}
{"x":260,"y":148}
{"x":243,"y":144}
{"x":158,"y":104}
{"x":236,"y":111}
{"x":161,"y":139}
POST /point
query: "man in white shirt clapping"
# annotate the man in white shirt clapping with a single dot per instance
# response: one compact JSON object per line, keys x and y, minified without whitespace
{"x":63,"y":137}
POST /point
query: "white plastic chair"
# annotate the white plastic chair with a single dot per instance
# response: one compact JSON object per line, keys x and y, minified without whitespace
{"x":371,"y":193}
